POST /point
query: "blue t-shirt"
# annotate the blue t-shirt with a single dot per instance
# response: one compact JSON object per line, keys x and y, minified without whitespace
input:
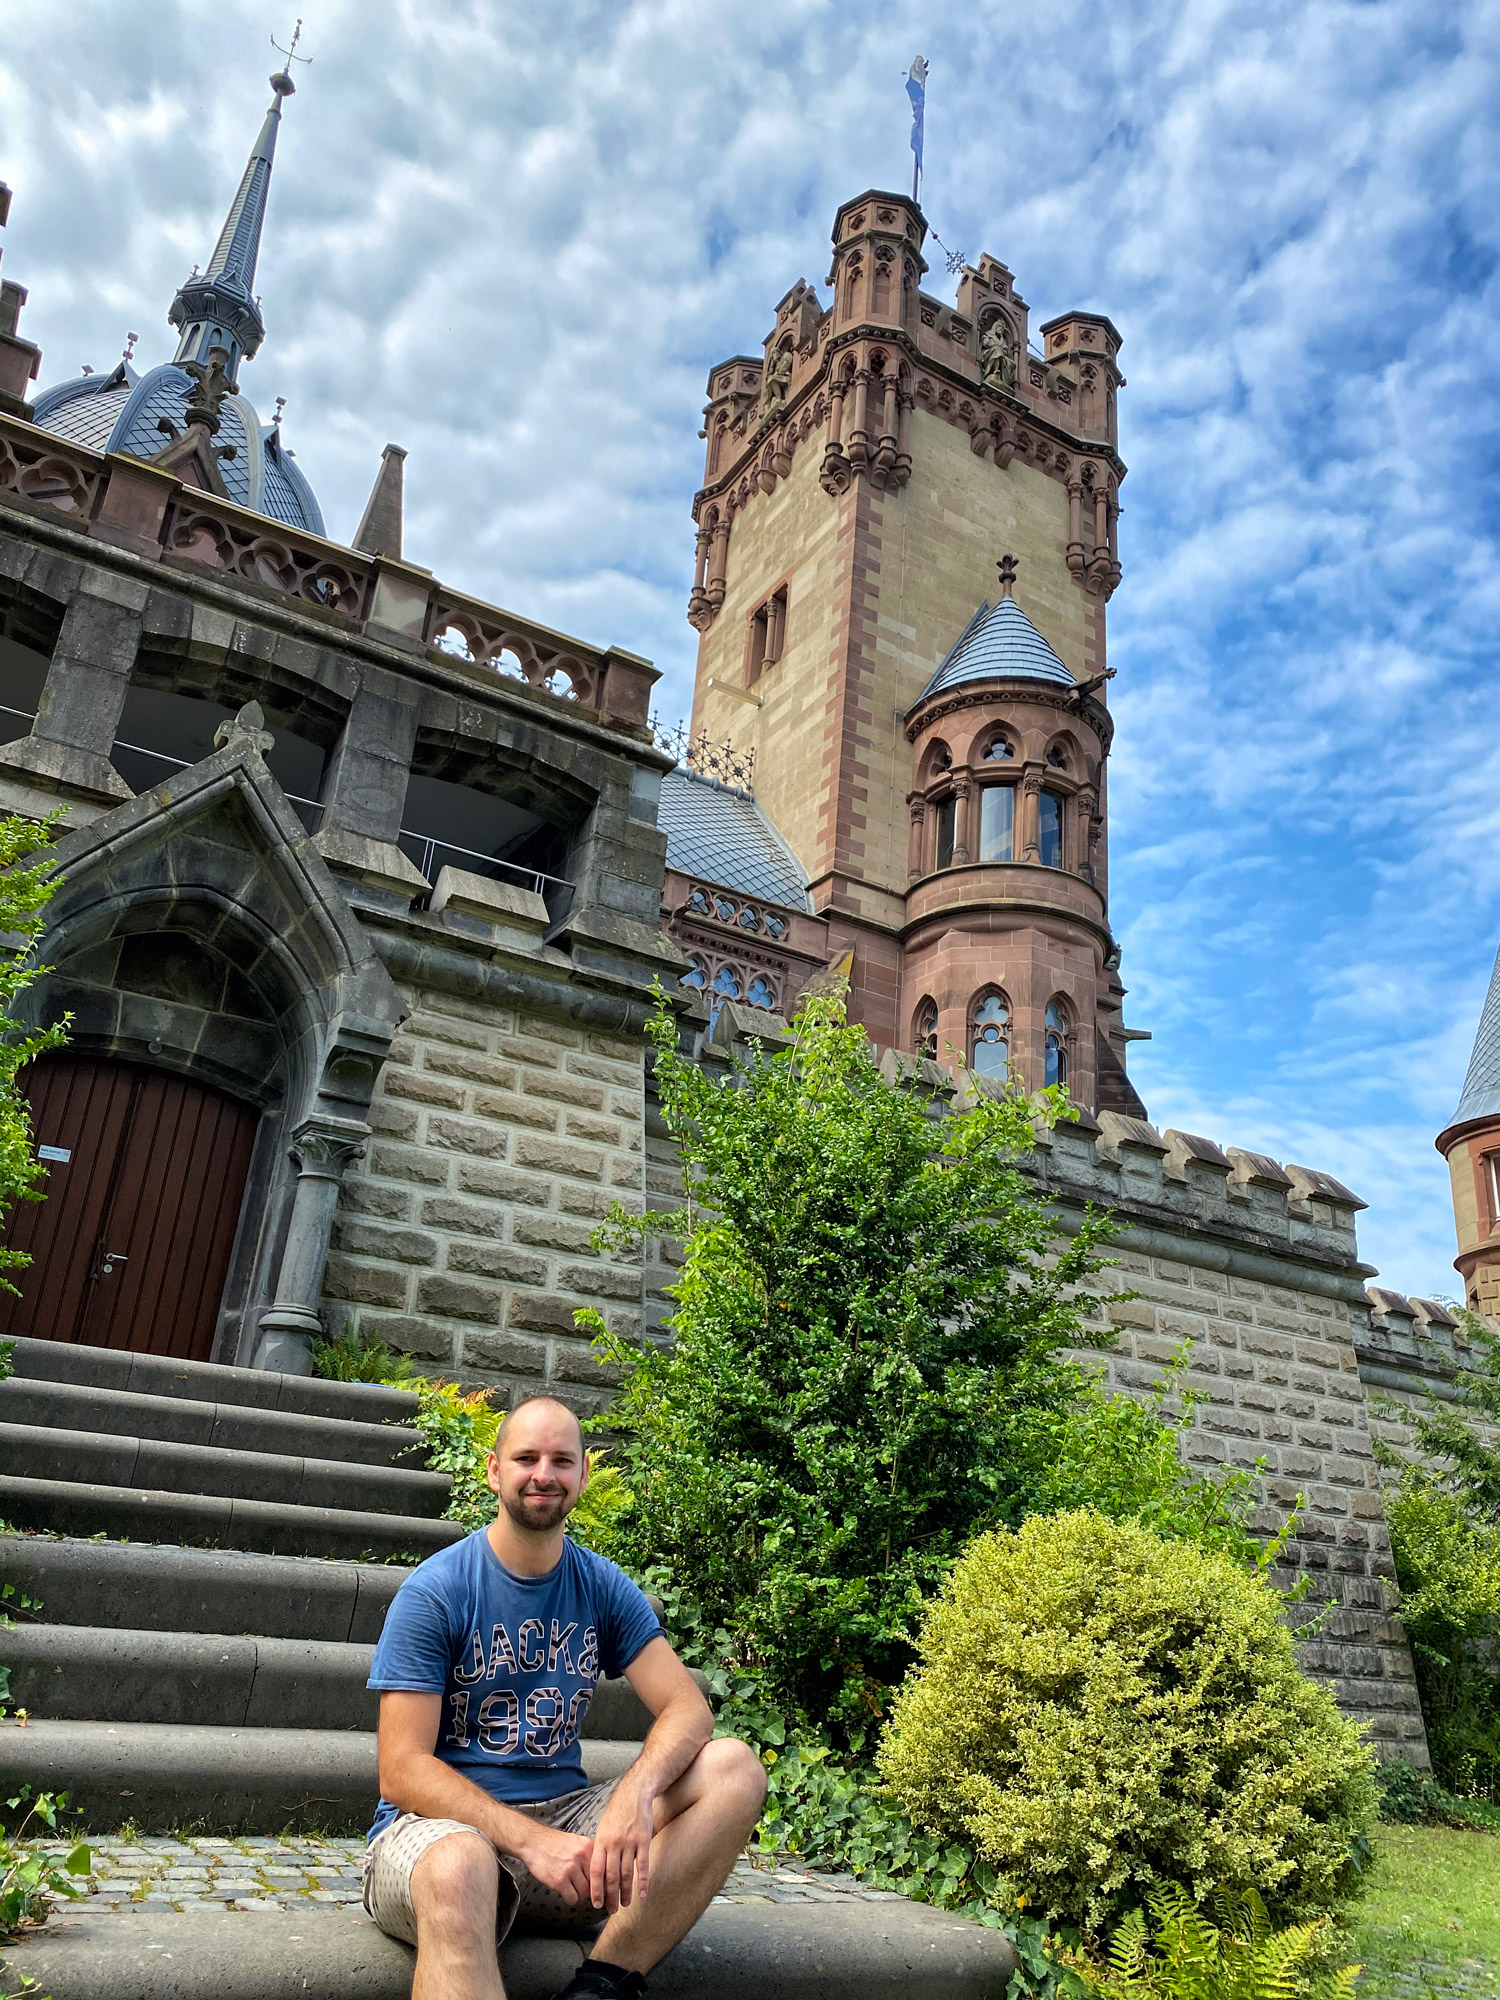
{"x":515,"y":1658}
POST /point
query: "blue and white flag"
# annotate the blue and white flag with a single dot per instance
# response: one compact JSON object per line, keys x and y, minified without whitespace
{"x":916,"y":90}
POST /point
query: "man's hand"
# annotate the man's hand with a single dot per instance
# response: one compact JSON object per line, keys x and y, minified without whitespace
{"x":621,"y":1862}
{"x":558,"y":1860}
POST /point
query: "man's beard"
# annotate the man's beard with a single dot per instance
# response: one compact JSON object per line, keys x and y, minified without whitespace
{"x":536,"y":1513}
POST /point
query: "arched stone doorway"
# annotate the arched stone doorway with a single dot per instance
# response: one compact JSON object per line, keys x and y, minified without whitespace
{"x":146,"y":1180}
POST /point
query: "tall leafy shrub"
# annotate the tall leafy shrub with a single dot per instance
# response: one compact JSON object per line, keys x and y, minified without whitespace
{"x":868,"y":1314}
{"x":1443,"y":1510}
{"x":1105,"y":1713}
{"x":25,"y":886}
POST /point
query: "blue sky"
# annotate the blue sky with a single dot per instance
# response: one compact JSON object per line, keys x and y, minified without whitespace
{"x":514,"y":238}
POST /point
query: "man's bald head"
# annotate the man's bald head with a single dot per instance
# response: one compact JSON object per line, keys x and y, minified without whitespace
{"x":526,"y":1414}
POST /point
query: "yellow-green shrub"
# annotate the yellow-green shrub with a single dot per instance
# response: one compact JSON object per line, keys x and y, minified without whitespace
{"x":1103,"y":1712}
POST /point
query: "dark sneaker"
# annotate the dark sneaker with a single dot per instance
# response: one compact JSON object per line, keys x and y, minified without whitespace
{"x":594,"y":1980}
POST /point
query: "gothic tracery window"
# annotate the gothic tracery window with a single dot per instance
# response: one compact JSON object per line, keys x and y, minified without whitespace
{"x":1001,"y":751}
{"x":1057,"y":1042}
{"x":760,"y":994}
{"x":926,"y":1030}
{"x":989,"y":1035}
{"x":693,"y":976}
{"x":725,"y":984}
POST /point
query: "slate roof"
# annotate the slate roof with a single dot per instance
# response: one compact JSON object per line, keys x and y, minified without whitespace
{"x":726,"y":838}
{"x":1481,"y":1091}
{"x":123,"y":411}
{"x":1000,"y":639}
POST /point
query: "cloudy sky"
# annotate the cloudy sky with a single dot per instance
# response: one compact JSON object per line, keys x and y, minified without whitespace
{"x":513,"y":238}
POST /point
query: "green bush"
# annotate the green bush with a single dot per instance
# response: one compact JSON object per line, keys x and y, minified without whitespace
{"x":24,"y":893}
{"x":1448,"y":1570}
{"x":869,"y":1310}
{"x":1230,"y":1952}
{"x":1122,"y":1456}
{"x":347,"y":1359}
{"x":34,"y":1874}
{"x":1104,"y":1713}
{"x":1410,"y":1797}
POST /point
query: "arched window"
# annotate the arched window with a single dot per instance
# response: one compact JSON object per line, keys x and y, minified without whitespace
{"x":1057,"y":1042}
{"x":997,"y":823}
{"x":925,"y":1031}
{"x":760,"y":994}
{"x":693,"y":976}
{"x":989,"y":1036}
{"x":1057,"y":757}
{"x":947,"y":830}
{"x":1001,"y":751}
{"x":725,"y":984}
{"x":1050,"y":829}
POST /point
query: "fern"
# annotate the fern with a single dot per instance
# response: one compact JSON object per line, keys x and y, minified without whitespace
{"x":1227,"y":1952}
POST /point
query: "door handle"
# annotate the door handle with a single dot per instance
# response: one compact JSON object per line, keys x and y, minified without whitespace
{"x":111,"y":1258}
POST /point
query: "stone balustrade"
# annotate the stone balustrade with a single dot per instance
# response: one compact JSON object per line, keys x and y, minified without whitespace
{"x":138,"y":507}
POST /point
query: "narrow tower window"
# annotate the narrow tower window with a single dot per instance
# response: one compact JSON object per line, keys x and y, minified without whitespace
{"x":947,"y":827}
{"x":767,"y":634}
{"x":926,"y":1034}
{"x":1050,"y":830}
{"x":1057,"y":1043}
{"x":997,"y":823}
{"x":990,"y":1036}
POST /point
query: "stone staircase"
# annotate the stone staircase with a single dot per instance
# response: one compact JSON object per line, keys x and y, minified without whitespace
{"x":213,"y":1551}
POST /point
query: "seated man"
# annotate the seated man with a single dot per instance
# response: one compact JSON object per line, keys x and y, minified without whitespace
{"x":487,"y":1663}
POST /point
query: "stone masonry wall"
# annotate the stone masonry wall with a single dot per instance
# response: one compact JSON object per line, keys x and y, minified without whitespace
{"x":1257,"y":1268}
{"x":500,"y":1140}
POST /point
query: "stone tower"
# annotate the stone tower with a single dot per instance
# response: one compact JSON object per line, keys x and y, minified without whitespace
{"x":930,"y":740}
{"x":1470,"y":1143}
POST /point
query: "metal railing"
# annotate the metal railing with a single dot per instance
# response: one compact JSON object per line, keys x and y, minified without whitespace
{"x":432,"y":845}
{"x":185,"y":763}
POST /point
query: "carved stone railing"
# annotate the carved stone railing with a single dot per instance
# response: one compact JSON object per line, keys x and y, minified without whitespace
{"x":139,"y":507}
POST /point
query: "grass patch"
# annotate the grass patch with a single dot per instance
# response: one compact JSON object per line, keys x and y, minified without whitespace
{"x":1430,"y":1922}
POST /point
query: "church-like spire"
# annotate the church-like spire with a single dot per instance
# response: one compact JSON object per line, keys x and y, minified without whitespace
{"x":217,"y":307}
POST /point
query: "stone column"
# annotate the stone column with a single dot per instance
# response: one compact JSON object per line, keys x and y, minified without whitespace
{"x":322,"y":1147}
{"x":67,"y":752}
{"x":1029,"y":832}
{"x":364,"y":790}
{"x":718,"y":562}
{"x":963,"y":794}
{"x":859,"y":434}
{"x":916,"y":850}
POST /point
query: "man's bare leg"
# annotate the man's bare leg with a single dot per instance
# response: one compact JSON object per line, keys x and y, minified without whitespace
{"x":453,"y":1890}
{"x":702,"y":1821}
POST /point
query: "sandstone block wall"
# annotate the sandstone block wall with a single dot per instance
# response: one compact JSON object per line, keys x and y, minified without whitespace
{"x":501,"y":1138}
{"x":1255,"y":1269}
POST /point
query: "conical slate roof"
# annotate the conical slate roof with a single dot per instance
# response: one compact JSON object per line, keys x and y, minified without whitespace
{"x":1481,"y":1091}
{"x":1000,"y":639}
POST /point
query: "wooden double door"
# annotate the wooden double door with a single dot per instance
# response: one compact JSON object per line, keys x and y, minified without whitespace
{"x":146,"y":1175}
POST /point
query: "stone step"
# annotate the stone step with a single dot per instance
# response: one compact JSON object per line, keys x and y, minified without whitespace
{"x":99,"y":1458}
{"x":68,"y":1406}
{"x":139,"y":1586}
{"x":756,"y":1951}
{"x":272,"y":1527}
{"x":161,"y":1775}
{"x":207,"y":1382}
{"x":81,"y":1673}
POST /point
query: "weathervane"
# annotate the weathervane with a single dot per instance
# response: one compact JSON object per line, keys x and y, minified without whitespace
{"x":280,"y":406}
{"x":954,"y":259}
{"x":291,"y":53}
{"x":129,"y":353}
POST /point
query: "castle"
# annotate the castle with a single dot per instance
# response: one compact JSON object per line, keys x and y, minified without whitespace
{"x":364,"y":884}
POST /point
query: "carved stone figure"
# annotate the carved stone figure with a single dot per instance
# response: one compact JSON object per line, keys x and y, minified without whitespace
{"x":778,"y":376}
{"x":997,"y":362}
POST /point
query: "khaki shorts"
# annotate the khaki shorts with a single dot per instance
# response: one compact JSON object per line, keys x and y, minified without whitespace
{"x":396,"y":1850}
